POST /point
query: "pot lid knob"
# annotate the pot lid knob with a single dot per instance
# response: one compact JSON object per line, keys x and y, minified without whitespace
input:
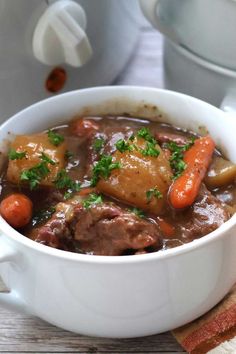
{"x":59,"y":36}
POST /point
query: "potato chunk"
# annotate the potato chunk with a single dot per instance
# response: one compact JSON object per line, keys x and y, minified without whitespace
{"x":138,"y":175}
{"x":220,"y":173}
{"x":34,"y":145}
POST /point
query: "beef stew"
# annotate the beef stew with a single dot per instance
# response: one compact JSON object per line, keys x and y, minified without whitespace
{"x":116,"y":186}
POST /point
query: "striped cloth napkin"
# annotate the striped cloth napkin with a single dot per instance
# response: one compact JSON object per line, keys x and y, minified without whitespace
{"x":214,"y":332}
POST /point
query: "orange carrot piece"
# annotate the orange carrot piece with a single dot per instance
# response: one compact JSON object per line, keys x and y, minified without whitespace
{"x":185,"y":188}
{"x":16,"y":209}
{"x":86,"y":191}
{"x":167,"y":229}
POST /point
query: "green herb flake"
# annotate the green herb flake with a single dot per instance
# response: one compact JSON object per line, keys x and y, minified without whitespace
{"x":176,"y":159}
{"x":16,"y":155}
{"x":138,"y":212}
{"x":63,"y":181}
{"x":38,"y":172}
{"x":68,"y":194}
{"x":103,"y":168}
{"x":123,"y":146}
{"x":132,"y":137}
{"x":35,"y":174}
{"x":153,"y":192}
{"x":92,"y":199}
{"x":146,"y":135}
{"x":68,"y":155}
{"x":42,"y":215}
{"x":98,"y":144}
{"x":55,"y":138}
{"x":150,"y":150}
{"x":47,"y":159}
{"x":32,"y":177}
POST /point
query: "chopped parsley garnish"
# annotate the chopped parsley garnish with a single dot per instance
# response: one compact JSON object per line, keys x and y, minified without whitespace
{"x":47,"y":159}
{"x":68,"y":194}
{"x":55,"y":138}
{"x":153,"y":192}
{"x":68,"y":154}
{"x":176,"y":159}
{"x":146,"y":135}
{"x":63,"y":181}
{"x":123,"y":146}
{"x":92,"y":199}
{"x":35,"y":174}
{"x":38,"y":172}
{"x":150,"y":149}
{"x":132,"y":137}
{"x":103,"y":168}
{"x":16,"y":155}
{"x":138,"y":212}
{"x":98,"y":144}
{"x":43,"y":215}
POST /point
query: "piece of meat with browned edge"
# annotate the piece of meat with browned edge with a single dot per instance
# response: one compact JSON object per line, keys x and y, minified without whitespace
{"x":54,"y":233}
{"x":167,"y":137}
{"x":203,"y":217}
{"x":106,"y":229}
{"x":83,"y":127}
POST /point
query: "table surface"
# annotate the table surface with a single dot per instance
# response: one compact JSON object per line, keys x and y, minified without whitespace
{"x":24,"y":334}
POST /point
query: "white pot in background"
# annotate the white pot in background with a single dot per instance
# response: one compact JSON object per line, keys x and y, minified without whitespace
{"x":91,"y":40}
{"x":190,"y":74}
{"x":205,"y":27}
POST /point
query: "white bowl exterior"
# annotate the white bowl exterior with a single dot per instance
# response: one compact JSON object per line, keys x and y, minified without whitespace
{"x":132,"y":295}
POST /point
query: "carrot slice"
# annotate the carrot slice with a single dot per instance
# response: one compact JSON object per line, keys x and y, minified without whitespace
{"x":86,"y":191}
{"x":185,"y":188}
{"x":16,"y":209}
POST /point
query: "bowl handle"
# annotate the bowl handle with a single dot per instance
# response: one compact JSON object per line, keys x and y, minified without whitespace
{"x":9,"y":298}
{"x":151,"y":11}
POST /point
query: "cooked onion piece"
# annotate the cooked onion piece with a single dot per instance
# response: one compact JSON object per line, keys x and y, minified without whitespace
{"x":220,"y":173}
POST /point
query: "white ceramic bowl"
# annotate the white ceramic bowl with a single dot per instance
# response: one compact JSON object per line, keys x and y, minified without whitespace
{"x":125,"y":296}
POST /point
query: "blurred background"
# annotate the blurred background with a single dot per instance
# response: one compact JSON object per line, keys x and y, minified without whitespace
{"x":53,"y":46}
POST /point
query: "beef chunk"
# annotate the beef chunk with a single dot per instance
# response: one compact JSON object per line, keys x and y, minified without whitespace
{"x":55,"y":233}
{"x":103,"y":229}
{"x":167,"y":137}
{"x":106,"y":229}
{"x":206,"y":215}
{"x":83,"y":127}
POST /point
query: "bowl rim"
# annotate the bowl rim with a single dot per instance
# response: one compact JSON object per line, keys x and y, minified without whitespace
{"x":9,"y":232}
